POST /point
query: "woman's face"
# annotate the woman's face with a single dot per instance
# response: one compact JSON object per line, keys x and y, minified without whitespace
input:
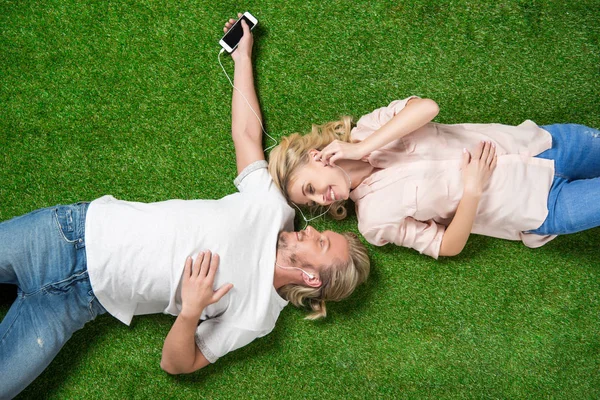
{"x":317,"y":183}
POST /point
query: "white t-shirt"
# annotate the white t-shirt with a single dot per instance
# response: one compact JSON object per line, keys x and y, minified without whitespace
{"x":136,"y":254}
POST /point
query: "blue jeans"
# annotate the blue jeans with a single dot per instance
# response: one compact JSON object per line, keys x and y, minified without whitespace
{"x":43,"y":253}
{"x":573,"y":202}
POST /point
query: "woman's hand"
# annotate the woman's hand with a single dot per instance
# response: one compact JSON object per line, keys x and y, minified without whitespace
{"x":339,"y":150}
{"x":477,"y":167}
{"x":244,"y":49}
{"x":197,"y":286}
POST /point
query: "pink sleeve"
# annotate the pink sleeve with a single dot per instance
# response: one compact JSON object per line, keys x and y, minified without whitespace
{"x":425,"y":237}
{"x":369,"y":123}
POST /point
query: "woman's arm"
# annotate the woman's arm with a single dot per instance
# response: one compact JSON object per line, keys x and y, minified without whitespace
{"x":246,"y":119}
{"x":414,"y":115}
{"x":477,"y":170}
{"x":180,"y":355}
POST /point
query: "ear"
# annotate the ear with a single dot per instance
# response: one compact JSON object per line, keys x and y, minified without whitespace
{"x":312,"y":282}
{"x":312,"y":153}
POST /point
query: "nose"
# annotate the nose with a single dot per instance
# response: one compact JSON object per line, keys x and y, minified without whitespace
{"x":309,"y":231}
{"x":312,"y":233}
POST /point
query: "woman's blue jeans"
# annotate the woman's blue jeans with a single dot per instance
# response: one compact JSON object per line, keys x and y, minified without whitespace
{"x":574,"y":199}
{"x":43,"y":253}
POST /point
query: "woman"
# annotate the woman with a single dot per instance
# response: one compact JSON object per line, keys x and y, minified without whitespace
{"x":428,"y":186}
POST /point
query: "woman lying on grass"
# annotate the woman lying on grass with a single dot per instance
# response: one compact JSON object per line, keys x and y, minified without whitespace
{"x":428,"y":186}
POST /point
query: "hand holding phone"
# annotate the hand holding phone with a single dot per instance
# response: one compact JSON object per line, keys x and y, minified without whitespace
{"x":232,"y":37}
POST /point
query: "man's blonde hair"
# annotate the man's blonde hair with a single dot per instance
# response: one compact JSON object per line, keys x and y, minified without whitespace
{"x":338,"y":280}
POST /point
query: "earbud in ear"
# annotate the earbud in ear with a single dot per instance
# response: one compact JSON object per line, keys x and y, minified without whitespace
{"x":310,"y":276}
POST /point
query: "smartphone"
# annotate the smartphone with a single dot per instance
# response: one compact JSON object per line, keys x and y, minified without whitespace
{"x":230,"y":40}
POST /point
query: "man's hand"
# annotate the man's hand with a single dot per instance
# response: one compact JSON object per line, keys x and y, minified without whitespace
{"x":197,"y":287}
{"x":244,"y":49}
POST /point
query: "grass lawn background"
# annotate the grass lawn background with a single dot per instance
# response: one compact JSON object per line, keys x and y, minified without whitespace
{"x":127,"y":98}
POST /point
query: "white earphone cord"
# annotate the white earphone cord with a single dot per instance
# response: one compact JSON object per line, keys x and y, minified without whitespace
{"x":306,"y":221}
{"x":311,"y":276}
{"x":247,"y":102}
{"x":328,"y":208}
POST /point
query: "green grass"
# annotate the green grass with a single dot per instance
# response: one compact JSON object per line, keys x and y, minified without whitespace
{"x":127,"y":98}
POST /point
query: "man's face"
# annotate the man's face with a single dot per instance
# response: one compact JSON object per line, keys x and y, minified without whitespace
{"x":311,"y":248}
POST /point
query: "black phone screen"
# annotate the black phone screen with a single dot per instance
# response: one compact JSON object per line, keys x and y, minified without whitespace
{"x":234,"y":35}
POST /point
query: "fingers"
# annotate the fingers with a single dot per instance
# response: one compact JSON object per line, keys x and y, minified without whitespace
{"x":466,"y":158}
{"x":485,"y":152}
{"x":330,"y":153}
{"x":493,"y":163}
{"x":245,"y":27}
{"x":228,"y":24}
{"x":476,"y":155}
{"x":320,"y":156}
{"x":201,"y":264}
{"x":197,"y":264}
{"x":205,"y":265}
{"x":334,"y":158}
{"x":214,"y":265}
{"x":220,"y":292}
{"x":187,"y":269}
{"x":231,"y":21}
{"x":491,"y":155}
{"x":488,"y":153}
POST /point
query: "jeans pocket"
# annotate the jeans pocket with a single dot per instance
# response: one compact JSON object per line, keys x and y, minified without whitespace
{"x":66,"y":218}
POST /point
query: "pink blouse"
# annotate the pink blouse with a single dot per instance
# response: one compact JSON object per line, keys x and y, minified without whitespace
{"x":411,"y":199}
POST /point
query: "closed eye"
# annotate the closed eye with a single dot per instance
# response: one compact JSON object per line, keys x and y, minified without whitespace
{"x":309,"y":190}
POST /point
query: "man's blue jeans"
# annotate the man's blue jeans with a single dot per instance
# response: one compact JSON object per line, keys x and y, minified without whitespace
{"x":43,"y":253}
{"x":574,"y":199}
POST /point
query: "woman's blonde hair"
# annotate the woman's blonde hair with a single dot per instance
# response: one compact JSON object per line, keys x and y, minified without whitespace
{"x":292,"y":153}
{"x":338,"y":280}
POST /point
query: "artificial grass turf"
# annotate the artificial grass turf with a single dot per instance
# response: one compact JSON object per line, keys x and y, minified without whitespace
{"x":127,"y":98}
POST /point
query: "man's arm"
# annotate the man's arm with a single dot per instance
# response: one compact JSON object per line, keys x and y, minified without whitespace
{"x":180,"y":354}
{"x":246,"y":119}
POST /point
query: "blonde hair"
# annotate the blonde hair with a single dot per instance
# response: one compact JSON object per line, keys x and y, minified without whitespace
{"x":338,"y":280}
{"x":292,"y":153}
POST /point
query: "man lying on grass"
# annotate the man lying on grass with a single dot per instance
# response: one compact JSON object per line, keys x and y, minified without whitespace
{"x":72,"y":263}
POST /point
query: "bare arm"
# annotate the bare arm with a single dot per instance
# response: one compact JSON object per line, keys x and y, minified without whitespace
{"x":416,"y":114}
{"x":180,"y":355}
{"x":477,"y":170}
{"x":246,"y":128}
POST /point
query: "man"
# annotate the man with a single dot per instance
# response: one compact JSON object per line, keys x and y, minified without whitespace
{"x":72,"y":263}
